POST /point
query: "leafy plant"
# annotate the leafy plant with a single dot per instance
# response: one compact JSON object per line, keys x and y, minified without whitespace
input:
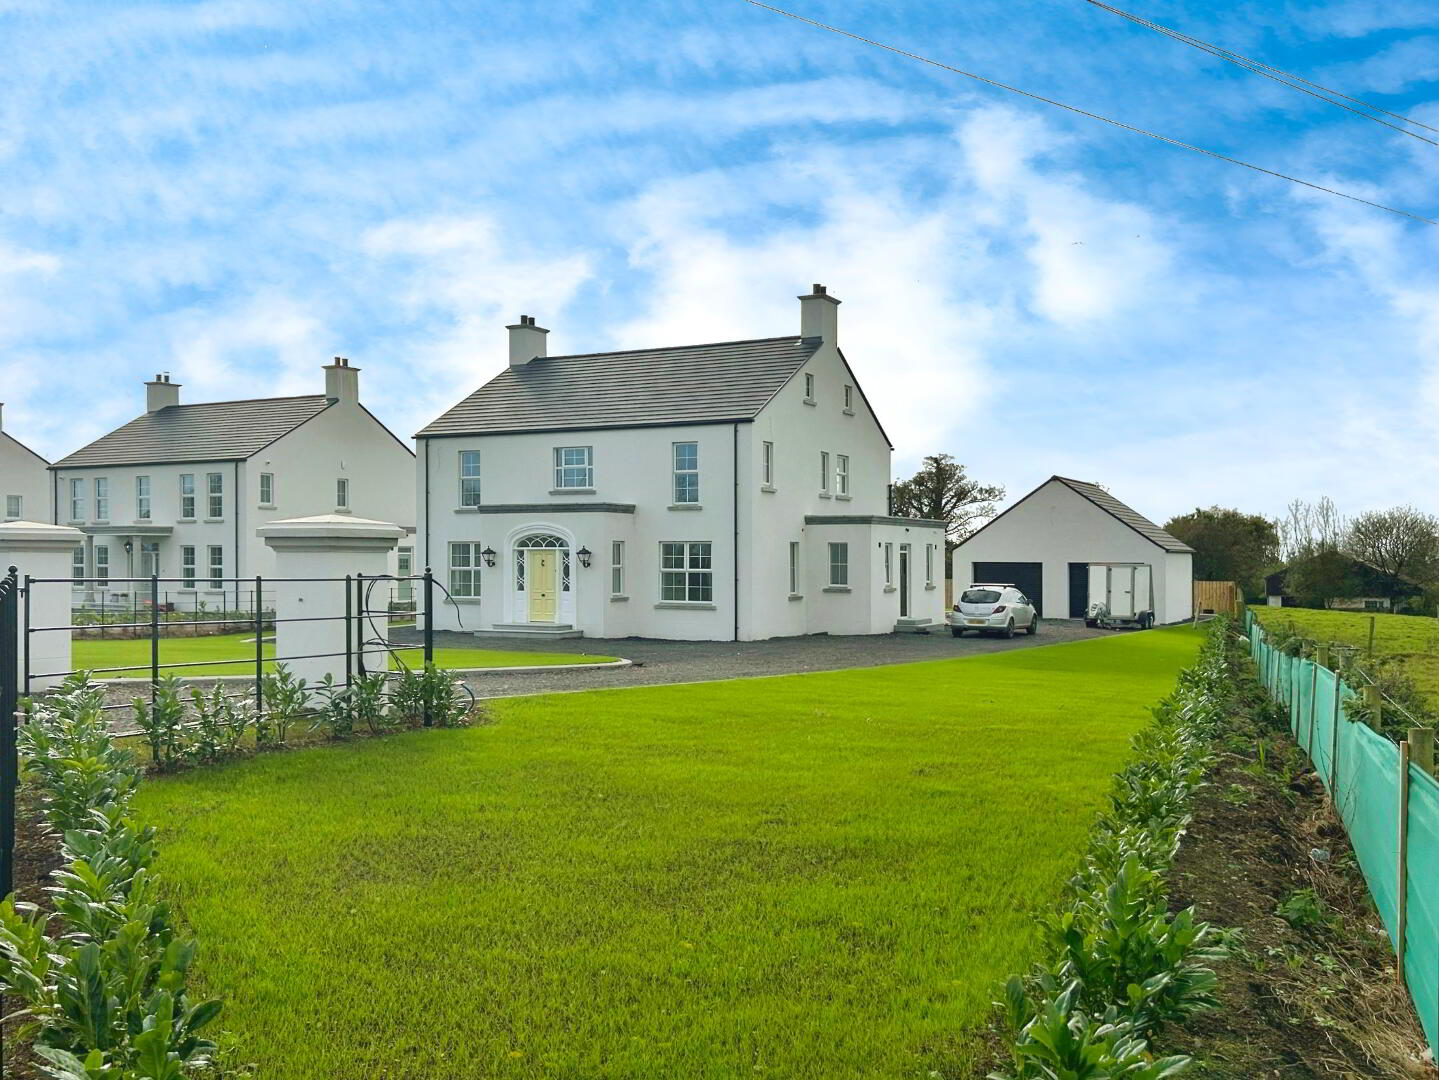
{"x":286,"y":698}
{"x":344,"y":707}
{"x":430,"y":694}
{"x":1302,"y":910}
{"x":162,"y":722}
{"x":220,"y":724}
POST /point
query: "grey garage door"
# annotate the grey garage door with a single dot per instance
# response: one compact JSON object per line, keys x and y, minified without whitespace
{"x":1027,"y":577}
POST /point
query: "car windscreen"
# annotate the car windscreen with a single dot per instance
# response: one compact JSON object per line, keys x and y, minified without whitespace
{"x":979,"y":596}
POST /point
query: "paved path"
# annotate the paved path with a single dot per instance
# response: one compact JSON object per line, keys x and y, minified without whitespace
{"x":657,"y":662}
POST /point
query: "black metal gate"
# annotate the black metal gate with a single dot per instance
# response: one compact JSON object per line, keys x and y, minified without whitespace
{"x":9,"y":702}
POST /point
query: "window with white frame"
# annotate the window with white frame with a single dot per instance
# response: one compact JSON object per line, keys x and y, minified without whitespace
{"x":215,"y":490}
{"x":77,"y":500}
{"x":217,"y":566}
{"x":794,"y":567}
{"x":342,"y":493}
{"x":841,"y":474}
{"x":187,"y":567}
{"x":767,"y":463}
{"x":267,"y":489}
{"x":687,"y":472}
{"x":102,"y":564}
{"x":102,"y":498}
{"x":617,"y":567}
{"x":889,"y":564}
{"x":149,"y":558}
{"x":849,"y":398}
{"x":687,"y":571}
{"x":14,"y":506}
{"x":574,"y":467}
{"x":77,"y":565}
{"x":187,"y":496}
{"x":824,"y":470}
{"x":469,"y":478}
{"x":929,"y":564}
{"x":838,"y":563}
{"x":404,"y":570}
{"x":465,"y":569}
{"x":808,"y":387}
{"x":142,"y":498}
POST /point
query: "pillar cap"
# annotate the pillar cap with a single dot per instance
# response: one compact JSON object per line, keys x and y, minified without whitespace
{"x":340,"y":532}
{"x":38,"y":534}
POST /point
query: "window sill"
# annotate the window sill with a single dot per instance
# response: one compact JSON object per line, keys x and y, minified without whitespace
{"x":214,"y":521}
{"x":618,"y":599}
{"x":572,"y":491}
{"x":796,"y":596}
{"x":100,"y":521}
{"x":930,"y":588}
{"x":890,"y":588}
{"x":184,"y":521}
{"x":769,"y":489}
{"x":837,"y":588}
{"x":848,"y":412}
{"x":825,"y":495}
{"x":810,"y":401}
{"x":462,"y":599}
{"x":266,"y":506}
{"x":343,"y":510}
{"x":684,"y":605}
{"x":685,"y":506}
{"x":844,"y":498}
{"x":467,"y":509}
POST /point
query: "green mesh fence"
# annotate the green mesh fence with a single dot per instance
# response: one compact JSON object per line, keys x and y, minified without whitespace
{"x":1361,"y":770}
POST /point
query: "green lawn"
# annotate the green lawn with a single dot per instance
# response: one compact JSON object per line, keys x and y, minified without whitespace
{"x":200,"y":653}
{"x":1414,"y":639}
{"x":814,"y":876}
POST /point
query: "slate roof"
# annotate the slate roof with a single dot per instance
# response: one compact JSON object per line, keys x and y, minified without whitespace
{"x":690,"y":384}
{"x":1131,"y":517}
{"x":206,"y":431}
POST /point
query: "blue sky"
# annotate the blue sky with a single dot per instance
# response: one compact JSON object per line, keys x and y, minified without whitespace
{"x":236,"y":190}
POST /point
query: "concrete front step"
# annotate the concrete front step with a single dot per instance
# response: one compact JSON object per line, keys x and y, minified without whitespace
{"x":529,"y":632}
{"x":914,"y":625}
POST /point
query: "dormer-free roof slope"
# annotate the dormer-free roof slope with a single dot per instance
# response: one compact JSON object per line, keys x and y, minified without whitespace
{"x":692,"y":384}
{"x":1096,"y":495}
{"x":208,"y":431}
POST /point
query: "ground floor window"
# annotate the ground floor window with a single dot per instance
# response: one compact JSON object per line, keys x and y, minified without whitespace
{"x":187,"y":567}
{"x":77,"y":565}
{"x":149,"y":558}
{"x":929,"y":564}
{"x":14,"y":506}
{"x":838,"y":563}
{"x":617,"y":568}
{"x":794,"y":567}
{"x":102,"y":563}
{"x":217,"y":566}
{"x":405,"y":569}
{"x":889,"y":564}
{"x":465,"y":569}
{"x":687,"y":571}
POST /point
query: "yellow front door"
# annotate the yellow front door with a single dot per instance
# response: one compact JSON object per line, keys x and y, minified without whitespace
{"x":543,"y":572}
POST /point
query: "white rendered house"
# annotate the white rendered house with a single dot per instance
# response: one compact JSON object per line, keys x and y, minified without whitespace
{"x":24,"y":480}
{"x":179,"y":491}
{"x":730,"y":491}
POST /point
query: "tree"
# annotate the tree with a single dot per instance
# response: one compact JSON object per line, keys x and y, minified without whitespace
{"x":1319,"y":574}
{"x":942,"y":491}
{"x":1402,"y":543}
{"x":1307,"y":528}
{"x":1228,"y":545}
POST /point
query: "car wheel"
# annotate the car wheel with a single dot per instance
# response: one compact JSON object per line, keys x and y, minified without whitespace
{"x":957,"y":631}
{"x":1034,"y":625}
{"x":1009,"y":629}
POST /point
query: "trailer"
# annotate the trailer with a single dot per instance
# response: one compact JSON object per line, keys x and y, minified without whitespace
{"x":1121,"y":596}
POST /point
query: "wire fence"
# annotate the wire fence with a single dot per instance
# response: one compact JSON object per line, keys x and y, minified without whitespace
{"x":1386,"y":795}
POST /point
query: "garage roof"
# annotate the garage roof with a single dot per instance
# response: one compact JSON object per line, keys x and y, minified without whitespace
{"x":1096,"y":495}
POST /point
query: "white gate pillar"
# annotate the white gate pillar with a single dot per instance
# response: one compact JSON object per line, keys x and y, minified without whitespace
{"x":324,"y":550}
{"x":43,"y":551}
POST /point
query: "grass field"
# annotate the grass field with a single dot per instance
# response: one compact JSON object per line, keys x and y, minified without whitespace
{"x":200,"y":653}
{"x":813,"y":876}
{"x":1413,"y":639}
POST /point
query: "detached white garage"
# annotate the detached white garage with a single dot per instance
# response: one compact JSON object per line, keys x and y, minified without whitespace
{"x":1045,"y":543}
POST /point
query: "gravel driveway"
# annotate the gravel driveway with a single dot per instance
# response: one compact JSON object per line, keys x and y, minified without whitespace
{"x":657,"y":662}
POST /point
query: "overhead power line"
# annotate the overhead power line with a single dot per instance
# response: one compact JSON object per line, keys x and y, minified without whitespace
{"x":1284,"y":78}
{"x":1091,"y":115}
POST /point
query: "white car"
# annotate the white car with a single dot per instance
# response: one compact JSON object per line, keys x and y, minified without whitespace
{"x":993,"y":609}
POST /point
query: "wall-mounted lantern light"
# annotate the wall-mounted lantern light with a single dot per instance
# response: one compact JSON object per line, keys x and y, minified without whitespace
{"x":489,"y":556}
{"x":584,"y":556}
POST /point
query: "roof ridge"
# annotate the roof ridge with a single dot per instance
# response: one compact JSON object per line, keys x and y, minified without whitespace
{"x":230,"y":401}
{"x":672,"y":348}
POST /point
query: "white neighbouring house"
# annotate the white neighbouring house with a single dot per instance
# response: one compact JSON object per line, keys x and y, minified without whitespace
{"x":1045,"y":542}
{"x":24,"y":479}
{"x":179,"y":491}
{"x":730,"y":491}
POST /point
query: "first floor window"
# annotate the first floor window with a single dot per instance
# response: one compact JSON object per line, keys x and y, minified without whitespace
{"x":267,"y":489}
{"x":824,"y":470}
{"x":794,"y":567}
{"x":687,"y":472}
{"x":215,"y":489}
{"x":187,"y":567}
{"x":102,"y":564}
{"x":849,"y":397}
{"x":841,"y":474}
{"x":217,"y":566}
{"x":142,"y":498}
{"x":687,"y":571}
{"x":14,"y":505}
{"x":187,"y":495}
{"x":808,"y":386}
{"x":889,"y":564}
{"x":77,"y":564}
{"x":574,"y":467}
{"x":469,"y":478}
{"x":77,"y":500}
{"x":342,"y":494}
{"x":617,"y":568}
{"x":404,"y":570}
{"x":149,"y":558}
{"x":767,"y":458}
{"x":838,"y":563}
{"x":102,"y":498}
{"x":465,"y":569}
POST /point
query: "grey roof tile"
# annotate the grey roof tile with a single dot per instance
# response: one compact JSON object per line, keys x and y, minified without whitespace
{"x":691,"y":384}
{"x":207,"y":431}
{"x":1131,"y":517}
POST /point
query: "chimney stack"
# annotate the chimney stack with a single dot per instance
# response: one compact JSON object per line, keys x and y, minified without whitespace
{"x":527,"y":341}
{"x":161,"y":393}
{"x":818,"y":317}
{"x":342,"y":382}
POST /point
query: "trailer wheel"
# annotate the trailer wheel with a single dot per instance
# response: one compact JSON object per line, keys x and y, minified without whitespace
{"x":957,"y":631}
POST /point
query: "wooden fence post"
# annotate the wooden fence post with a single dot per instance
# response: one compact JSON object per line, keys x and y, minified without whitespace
{"x":1321,"y":654}
{"x":1421,"y":749}
{"x":1402,"y":929}
{"x":1374,"y":706}
{"x":1372,"y":620}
